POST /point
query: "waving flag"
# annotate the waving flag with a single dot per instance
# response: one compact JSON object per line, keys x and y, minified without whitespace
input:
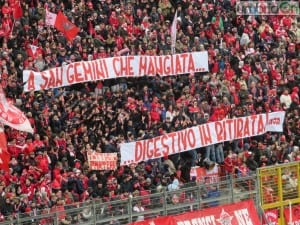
{"x":62,"y":24}
{"x":12,"y":116}
{"x":50,"y":18}
{"x":17,"y":11}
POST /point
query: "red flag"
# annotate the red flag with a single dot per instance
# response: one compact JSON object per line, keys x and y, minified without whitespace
{"x":17,"y":11}
{"x":62,"y":24}
{"x":4,"y":154}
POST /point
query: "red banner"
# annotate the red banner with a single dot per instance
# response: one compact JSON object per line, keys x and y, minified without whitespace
{"x":292,"y":215}
{"x":241,"y":213}
{"x":102,"y":161}
{"x":271,"y":216}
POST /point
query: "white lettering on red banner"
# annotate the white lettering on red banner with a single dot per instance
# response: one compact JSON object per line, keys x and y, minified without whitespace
{"x":240,"y":213}
{"x":108,"y":68}
{"x":271,"y":216}
{"x":102,"y":161}
{"x":200,"y":136}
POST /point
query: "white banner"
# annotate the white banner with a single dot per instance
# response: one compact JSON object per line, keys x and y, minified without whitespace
{"x":108,"y":68}
{"x":200,"y":136}
{"x":50,"y":18}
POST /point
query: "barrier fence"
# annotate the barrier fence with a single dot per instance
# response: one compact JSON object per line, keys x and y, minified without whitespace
{"x":279,"y":191}
{"x":191,"y":197}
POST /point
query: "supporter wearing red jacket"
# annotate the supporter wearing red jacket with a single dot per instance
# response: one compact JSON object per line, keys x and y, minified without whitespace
{"x":59,"y":208}
{"x":43,"y":162}
{"x":230,"y":162}
{"x":114,"y":20}
{"x":29,"y":146}
{"x":228,"y":72}
{"x":13,"y":148}
{"x":155,"y":110}
{"x":37,"y":142}
{"x":28,"y":188}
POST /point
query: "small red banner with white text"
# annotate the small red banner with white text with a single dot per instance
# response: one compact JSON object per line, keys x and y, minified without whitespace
{"x":102,"y":161}
{"x":240,"y":213}
{"x":271,"y":217}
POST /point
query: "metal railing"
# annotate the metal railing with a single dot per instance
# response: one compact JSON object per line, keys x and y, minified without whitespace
{"x":279,"y":187}
{"x":163,"y":202}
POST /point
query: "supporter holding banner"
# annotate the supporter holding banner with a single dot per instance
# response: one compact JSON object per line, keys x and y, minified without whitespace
{"x":102,"y":161}
{"x":201,"y":136}
{"x":206,"y":175}
{"x":115,"y":67}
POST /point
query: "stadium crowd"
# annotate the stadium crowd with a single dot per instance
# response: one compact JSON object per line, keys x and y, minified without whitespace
{"x":254,"y":67}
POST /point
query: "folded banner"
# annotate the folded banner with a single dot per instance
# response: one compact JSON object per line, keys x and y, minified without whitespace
{"x":102,"y":161}
{"x":200,"y":136}
{"x":240,"y":213}
{"x":12,"y":116}
{"x":115,"y":67}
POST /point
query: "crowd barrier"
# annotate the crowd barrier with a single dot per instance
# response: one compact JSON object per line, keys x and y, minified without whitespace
{"x":190,"y":197}
{"x":279,"y":192}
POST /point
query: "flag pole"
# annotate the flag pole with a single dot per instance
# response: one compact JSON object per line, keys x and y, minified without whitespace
{"x":173,"y":33}
{"x":12,"y":29}
{"x":290,"y":208}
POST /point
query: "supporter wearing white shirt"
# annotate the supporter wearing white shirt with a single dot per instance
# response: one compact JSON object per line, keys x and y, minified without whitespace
{"x":171,"y":113}
{"x":139,"y":208}
{"x":285,"y":98}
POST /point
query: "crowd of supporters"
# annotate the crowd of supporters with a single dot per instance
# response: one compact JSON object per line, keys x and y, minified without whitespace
{"x":254,"y":67}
